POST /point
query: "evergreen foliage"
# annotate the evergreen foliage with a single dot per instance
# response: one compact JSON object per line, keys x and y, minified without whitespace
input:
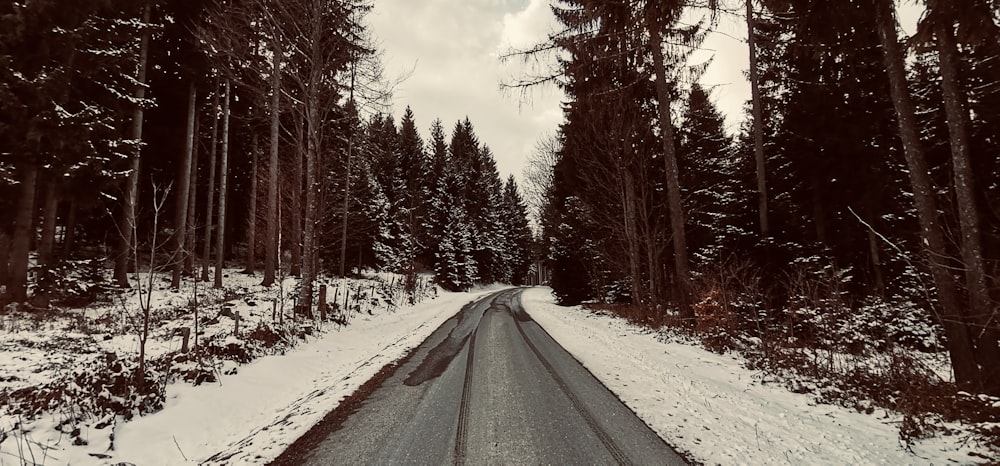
{"x":336,"y":177}
{"x":847,"y":198}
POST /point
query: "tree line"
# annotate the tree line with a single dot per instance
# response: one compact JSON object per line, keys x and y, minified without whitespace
{"x":249,"y":130}
{"x":865,"y":157}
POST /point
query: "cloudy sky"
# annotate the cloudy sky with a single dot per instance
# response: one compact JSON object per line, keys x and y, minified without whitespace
{"x":453,"y":49}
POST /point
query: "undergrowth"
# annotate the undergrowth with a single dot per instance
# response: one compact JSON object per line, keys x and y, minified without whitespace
{"x":866,"y":355}
{"x":94,"y":388}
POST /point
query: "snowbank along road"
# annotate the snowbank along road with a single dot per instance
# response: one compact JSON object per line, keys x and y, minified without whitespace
{"x":489,"y":386}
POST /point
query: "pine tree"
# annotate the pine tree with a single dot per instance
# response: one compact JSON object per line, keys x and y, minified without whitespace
{"x":455,"y":267}
{"x":518,"y":241}
{"x":415,"y":169}
{"x":391,"y":245}
{"x":434,"y":221}
{"x":484,"y":197}
{"x":707,"y":164}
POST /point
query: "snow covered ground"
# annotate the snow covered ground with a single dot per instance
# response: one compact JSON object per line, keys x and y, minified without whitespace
{"x":707,"y":406}
{"x":253,"y":411}
{"x":251,"y":417}
{"x":711,"y":408}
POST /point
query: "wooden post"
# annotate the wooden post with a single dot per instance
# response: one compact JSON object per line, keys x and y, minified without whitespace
{"x":322,"y":302}
{"x":185,"y":336}
{"x":236,"y":318}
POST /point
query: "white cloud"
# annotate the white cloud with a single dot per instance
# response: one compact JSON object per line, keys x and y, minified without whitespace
{"x":455,"y":45}
{"x":529,"y":26}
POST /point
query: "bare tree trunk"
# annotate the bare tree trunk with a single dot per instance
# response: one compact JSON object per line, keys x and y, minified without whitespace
{"x":673,"y":185}
{"x":210,"y":208}
{"x":758,"y":124}
{"x":985,"y":338}
{"x":17,"y":281}
{"x":313,"y":129}
{"x":192,"y":237}
{"x":632,"y":235}
{"x":873,"y":250}
{"x":220,"y":235}
{"x":4,"y":258}
{"x":182,"y":199}
{"x":345,"y":211}
{"x":296,"y":217}
{"x":46,"y":246}
{"x":126,"y":225}
{"x":952,"y":316}
{"x":69,"y":237}
{"x":309,"y":231}
{"x":271,"y":233}
{"x":252,"y":220}
{"x":347,"y":179}
{"x":819,"y":210}
{"x":652,"y":257}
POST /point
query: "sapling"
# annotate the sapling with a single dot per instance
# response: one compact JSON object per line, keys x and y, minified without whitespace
{"x":144,"y":291}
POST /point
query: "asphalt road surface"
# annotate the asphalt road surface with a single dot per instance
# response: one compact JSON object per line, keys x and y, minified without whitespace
{"x":489,"y":386}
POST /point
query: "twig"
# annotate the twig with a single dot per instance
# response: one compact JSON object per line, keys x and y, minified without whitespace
{"x":755,"y":432}
{"x":179,"y":448}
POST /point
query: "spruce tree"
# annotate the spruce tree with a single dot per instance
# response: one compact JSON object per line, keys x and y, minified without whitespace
{"x":414,"y":167}
{"x":516,"y":233}
{"x":707,"y":166}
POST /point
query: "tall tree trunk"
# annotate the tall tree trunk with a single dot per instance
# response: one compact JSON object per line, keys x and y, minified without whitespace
{"x":220,"y":235}
{"x":309,"y":230}
{"x":952,"y":314}
{"x":985,"y":338}
{"x":345,"y":210}
{"x":4,"y":258}
{"x":50,"y":205}
{"x":632,"y":235}
{"x":819,"y":210}
{"x":182,"y":199}
{"x":271,"y":233}
{"x":191,"y":240}
{"x":758,"y":124}
{"x":17,"y":281}
{"x":296,"y":217}
{"x":873,"y":248}
{"x":653,"y":264}
{"x":210,"y":207}
{"x":347,"y":180}
{"x":126,"y":225}
{"x":252,"y":220}
{"x":69,"y":238}
{"x":46,"y":245}
{"x":673,"y":185}
{"x":647,"y":233}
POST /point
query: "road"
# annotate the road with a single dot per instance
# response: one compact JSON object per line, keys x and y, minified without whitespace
{"x":489,"y":386}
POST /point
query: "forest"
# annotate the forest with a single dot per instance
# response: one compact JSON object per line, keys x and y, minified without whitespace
{"x":247,"y":131}
{"x":846,"y":233}
{"x":854,"y":211}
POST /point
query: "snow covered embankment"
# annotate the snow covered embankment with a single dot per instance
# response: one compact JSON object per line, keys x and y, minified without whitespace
{"x":251,"y":416}
{"x":711,"y":408}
